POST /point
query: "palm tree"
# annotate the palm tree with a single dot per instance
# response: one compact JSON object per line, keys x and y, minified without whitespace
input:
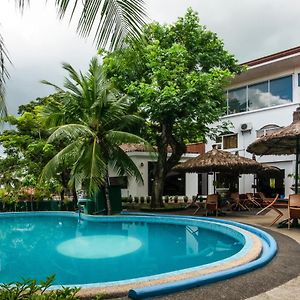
{"x":91,"y":119}
{"x":111,"y":20}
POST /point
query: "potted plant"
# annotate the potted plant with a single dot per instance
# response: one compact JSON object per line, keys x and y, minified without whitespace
{"x":142,"y":199}
{"x":175,"y":199}
{"x":185,"y":199}
{"x":148,"y":199}
{"x":167,"y":199}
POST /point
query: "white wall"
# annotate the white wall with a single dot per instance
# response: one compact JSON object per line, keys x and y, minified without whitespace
{"x":141,"y":160}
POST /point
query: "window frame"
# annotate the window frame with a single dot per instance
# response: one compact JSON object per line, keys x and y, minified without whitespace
{"x":220,"y":145}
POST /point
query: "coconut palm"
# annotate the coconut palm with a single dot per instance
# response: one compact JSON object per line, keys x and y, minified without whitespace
{"x":110,"y":20}
{"x":91,"y":119}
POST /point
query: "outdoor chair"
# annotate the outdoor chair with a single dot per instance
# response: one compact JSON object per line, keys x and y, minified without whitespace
{"x":270,"y":207}
{"x":237,"y":203}
{"x":197,"y":201}
{"x":262,"y":199}
{"x":293,"y":208}
{"x":211,"y":204}
{"x":252,"y":200}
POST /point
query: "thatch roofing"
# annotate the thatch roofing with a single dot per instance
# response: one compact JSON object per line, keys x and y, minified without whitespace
{"x":282,"y":141}
{"x":270,"y":170}
{"x":219,"y":161}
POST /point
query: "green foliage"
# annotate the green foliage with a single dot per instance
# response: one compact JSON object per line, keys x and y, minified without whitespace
{"x":92,"y":116}
{"x":27,"y":152}
{"x":176,"y":76}
{"x":32,"y":290}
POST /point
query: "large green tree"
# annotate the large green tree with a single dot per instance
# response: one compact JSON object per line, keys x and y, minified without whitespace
{"x":26,"y":151}
{"x":177,"y":77}
{"x":92,"y":117}
{"x":110,"y":20}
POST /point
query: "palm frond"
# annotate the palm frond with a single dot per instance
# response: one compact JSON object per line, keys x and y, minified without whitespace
{"x":112,"y":20}
{"x":90,"y":168}
{"x":57,"y":88}
{"x":70,"y":132}
{"x":3,"y":76}
{"x":53,"y":166}
{"x":21,"y":4}
{"x":115,"y":137}
{"x":123,"y":164}
{"x":53,"y":114}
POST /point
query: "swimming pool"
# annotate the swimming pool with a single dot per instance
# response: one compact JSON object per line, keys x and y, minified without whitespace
{"x":98,"y":252}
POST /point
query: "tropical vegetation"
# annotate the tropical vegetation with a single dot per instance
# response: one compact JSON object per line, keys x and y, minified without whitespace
{"x":176,"y":78}
{"x":33,"y":290}
{"x":26,"y":152}
{"x":92,"y":120}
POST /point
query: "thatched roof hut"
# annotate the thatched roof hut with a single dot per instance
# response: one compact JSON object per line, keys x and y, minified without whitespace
{"x":219,"y":161}
{"x":282,"y":141}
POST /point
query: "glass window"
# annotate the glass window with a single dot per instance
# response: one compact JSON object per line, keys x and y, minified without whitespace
{"x":264,"y":94}
{"x":298,"y":79}
{"x":258,"y":95}
{"x":281,"y":90}
{"x":237,"y":100}
{"x":230,"y":141}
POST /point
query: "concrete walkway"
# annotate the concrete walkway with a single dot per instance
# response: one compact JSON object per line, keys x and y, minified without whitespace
{"x":291,"y":289}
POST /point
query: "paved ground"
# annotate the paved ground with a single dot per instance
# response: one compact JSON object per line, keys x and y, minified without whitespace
{"x":280,"y":279}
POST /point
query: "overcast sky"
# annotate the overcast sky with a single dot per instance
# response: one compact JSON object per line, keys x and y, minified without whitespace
{"x":38,"y":42}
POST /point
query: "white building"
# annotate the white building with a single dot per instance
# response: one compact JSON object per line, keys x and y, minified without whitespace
{"x":259,"y":100}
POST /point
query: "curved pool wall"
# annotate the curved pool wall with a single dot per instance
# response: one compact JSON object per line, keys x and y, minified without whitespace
{"x":269,"y":251}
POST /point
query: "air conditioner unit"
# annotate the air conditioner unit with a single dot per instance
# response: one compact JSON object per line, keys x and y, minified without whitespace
{"x":245,"y":127}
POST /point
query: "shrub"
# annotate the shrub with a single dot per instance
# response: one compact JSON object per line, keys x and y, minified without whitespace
{"x":31,"y":289}
{"x":175,"y":199}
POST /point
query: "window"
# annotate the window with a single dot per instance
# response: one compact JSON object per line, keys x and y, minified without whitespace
{"x":228,"y":141}
{"x":281,"y":90}
{"x":267,"y":130}
{"x":263,"y":94}
{"x":237,"y":100}
{"x":257,"y":95}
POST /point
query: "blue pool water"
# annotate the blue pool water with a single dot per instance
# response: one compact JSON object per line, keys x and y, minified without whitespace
{"x":94,"y":252}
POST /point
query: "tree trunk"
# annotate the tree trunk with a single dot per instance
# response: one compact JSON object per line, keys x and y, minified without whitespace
{"x":75,"y":198}
{"x":165,"y":164}
{"x":106,"y":194}
{"x":160,"y":170}
{"x":64,"y":188}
